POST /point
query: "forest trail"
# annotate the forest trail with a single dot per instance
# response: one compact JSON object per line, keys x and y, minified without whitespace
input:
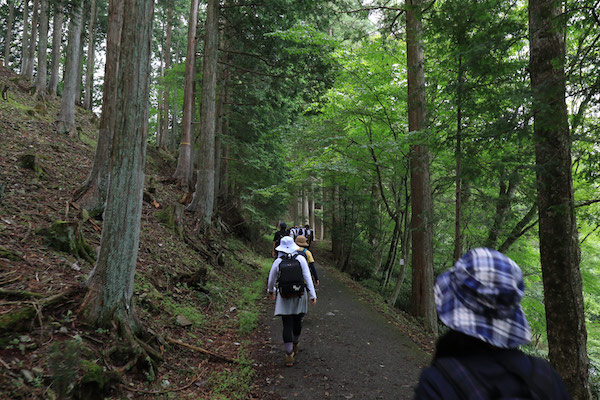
{"x":348,"y":350}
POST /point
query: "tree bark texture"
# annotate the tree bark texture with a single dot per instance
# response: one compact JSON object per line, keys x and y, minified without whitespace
{"x":25,"y":40}
{"x":559,"y":246}
{"x":66,"y":118}
{"x":89,"y":69}
{"x":421,"y":203}
{"x":57,"y":24}
{"x":32,"y":40}
{"x":165,"y":134}
{"x":111,"y":282}
{"x":458,"y":245}
{"x":42,"y":72}
{"x":203,"y":201}
{"x":92,"y":194}
{"x":9,"y":27}
{"x":79,"y":80}
{"x":183,"y":173}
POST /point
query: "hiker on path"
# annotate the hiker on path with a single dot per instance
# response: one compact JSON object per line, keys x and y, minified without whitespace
{"x":291,"y":295}
{"x":479,"y":299}
{"x":308,"y":233}
{"x":304,"y":251}
{"x":278,"y":235}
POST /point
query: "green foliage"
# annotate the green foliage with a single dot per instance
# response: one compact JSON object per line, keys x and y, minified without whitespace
{"x":233,"y":384}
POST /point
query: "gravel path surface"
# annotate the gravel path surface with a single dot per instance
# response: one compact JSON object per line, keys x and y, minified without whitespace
{"x":347,"y":351}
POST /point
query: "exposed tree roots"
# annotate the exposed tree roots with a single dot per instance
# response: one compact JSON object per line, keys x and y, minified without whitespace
{"x":16,"y":319}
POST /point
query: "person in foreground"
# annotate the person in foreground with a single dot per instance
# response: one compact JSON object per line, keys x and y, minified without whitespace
{"x":479,"y":299}
{"x":291,"y":285}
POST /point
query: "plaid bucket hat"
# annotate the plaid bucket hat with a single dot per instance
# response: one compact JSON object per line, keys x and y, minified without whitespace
{"x":481,"y":297}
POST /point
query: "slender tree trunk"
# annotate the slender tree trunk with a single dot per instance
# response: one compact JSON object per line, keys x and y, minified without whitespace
{"x":78,"y":82}
{"x":40,"y":82}
{"x":26,"y":34}
{"x":421,"y":203}
{"x":559,"y":246}
{"x":110,"y":284}
{"x":305,"y":215}
{"x":66,"y":118}
{"x":57,"y":24}
{"x":458,"y":246}
{"x":183,"y":173}
{"x":205,"y":185}
{"x":92,"y":194}
{"x":165,"y":134}
{"x":505,"y":198}
{"x":219,"y":129}
{"x":336,"y":239}
{"x":32,"y":41}
{"x":89,"y":69}
{"x":311,"y":210}
{"x":9,"y":27}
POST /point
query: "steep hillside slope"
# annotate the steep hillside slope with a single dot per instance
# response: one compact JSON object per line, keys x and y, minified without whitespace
{"x":195,"y":293}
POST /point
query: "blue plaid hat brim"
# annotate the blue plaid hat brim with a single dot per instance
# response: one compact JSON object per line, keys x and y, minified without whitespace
{"x":510,"y":330}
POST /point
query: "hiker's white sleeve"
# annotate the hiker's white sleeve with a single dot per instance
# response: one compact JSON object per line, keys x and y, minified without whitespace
{"x":273,"y":276}
{"x":307,"y":278}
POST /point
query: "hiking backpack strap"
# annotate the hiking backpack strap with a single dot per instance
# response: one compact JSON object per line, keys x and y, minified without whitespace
{"x":538,"y":381}
{"x":461,"y":379}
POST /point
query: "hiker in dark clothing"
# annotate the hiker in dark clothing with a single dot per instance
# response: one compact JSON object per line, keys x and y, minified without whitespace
{"x":479,"y":299}
{"x":278,"y":235}
{"x":301,"y":241}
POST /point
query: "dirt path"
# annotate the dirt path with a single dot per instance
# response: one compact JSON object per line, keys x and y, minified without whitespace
{"x":347,"y":351}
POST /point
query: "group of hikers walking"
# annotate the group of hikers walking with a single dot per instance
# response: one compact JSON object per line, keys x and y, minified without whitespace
{"x":479,"y":300}
{"x":292,"y":283}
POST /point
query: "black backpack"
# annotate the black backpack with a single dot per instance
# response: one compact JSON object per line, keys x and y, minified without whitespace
{"x":468,"y":386}
{"x":290,"y":281}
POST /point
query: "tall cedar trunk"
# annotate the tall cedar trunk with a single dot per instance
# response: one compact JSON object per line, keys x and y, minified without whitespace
{"x":323,"y":212}
{"x":336,"y":240}
{"x":25,"y":40}
{"x":9,"y":27}
{"x":32,"y":41}
{"x":311,"y":210}
{"x":66,"y":118}
{"x":92,"y":194}
{"x":423,"y":305}
{"x":183,"y":173}
{"x":40,"y":82}
{"x":89,"y":69}
{"x":458,"y":245}
{"x":57,"y":23}
{"x":559,"y":247}
{"x":305,"y":215}
{"x":159,"y":105}
{"x":224,"y":72}
{"x":224,"y":162}
{"x":111,"y":282}
{"x":165,"y":134}
{"x":78,"y":82}
{"x":203,"y":200}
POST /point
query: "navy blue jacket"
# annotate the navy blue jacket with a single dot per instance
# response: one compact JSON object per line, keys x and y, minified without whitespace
{"x":495,"y":373}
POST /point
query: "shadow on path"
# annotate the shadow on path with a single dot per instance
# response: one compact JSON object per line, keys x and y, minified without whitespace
{"x":347,"y":351}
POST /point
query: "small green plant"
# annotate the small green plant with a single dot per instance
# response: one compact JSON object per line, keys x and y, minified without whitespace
{"x":233,"y":385}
